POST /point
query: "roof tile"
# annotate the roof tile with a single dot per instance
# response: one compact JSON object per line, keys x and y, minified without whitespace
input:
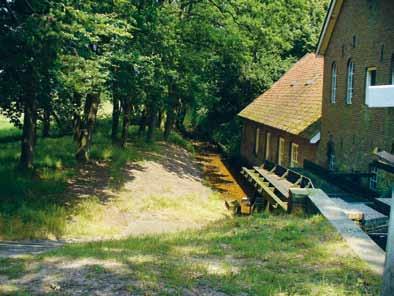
{"x":294,"y":102}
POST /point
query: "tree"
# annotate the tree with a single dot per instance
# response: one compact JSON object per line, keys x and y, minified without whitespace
{"x":92,"y":32}
{"x":28,"y":52}
{"x":195,"y":64}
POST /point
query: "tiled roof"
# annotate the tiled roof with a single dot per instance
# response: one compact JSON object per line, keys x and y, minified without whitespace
{"x":294,"y":103}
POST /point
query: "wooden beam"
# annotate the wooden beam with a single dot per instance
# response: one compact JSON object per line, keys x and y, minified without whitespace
{"x":267,"y":190}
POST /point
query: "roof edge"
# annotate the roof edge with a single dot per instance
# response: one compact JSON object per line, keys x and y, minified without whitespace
{"x":279,"y":80}
{"x":300,"y":134}
{"x":335,"y":6}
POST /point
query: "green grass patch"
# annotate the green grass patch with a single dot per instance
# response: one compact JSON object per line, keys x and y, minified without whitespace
{"x":259,"y":255}
{"x":8,"y":132}
{"x":13,"y":268}
{"x":178,"y":140}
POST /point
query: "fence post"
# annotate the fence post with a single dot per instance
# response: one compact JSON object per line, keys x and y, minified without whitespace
{"x":388,"y":276}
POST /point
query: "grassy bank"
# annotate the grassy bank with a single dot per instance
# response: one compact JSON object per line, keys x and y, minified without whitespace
{"x":261,"y":255}
{"x":39,"y":204}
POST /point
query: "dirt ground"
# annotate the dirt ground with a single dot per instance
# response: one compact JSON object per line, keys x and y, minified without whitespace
{"x":171,"y":192}
{"x":166,"y":193}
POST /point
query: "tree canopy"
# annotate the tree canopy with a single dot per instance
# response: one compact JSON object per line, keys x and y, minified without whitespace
{"x":192,"y":65}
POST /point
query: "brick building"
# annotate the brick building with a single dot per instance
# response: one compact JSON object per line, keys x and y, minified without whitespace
{"x":283,"y":124}
{"x":357,"y":43}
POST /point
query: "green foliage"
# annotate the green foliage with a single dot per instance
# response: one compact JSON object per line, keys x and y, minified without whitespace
{"x":256,"y":42}
{"x":207,"y":59}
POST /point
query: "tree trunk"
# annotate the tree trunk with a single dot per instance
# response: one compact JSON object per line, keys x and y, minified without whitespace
{"x":151,"y":125}
{"x":181,"y":119}
{"x":126,"y":123}
{"x":142,"y":124}
{"x":86,"y":134}
{"x":159,"y":119}
{"x":115,"y":119}
{"x":28,"y":135}
{"x":46,"y":123}
{"x":169,"y":124}
{"x":77,"y":120}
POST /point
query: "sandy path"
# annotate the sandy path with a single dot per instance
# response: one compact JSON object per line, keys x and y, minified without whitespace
{"x":165,"y":194}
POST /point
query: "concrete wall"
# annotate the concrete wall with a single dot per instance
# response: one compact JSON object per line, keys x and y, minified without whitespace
{"x":356,"y":128}
{"x":306,"y":150}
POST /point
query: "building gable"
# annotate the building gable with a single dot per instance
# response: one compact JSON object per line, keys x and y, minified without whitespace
{"x":329,"y":25}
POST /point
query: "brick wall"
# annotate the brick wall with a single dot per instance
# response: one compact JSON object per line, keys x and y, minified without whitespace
{"x":305,"y":150}
{"x":356,"y":128}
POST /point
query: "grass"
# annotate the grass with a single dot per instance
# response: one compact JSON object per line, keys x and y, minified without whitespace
{"x":260,"y":255}
{"x":8,"y":132}
{"x":38,"y":205}
{"x":12,"y":268}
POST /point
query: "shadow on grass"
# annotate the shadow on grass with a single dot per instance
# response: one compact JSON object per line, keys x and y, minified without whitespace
{"x":261,"y":255}
{"x":38,"y":205}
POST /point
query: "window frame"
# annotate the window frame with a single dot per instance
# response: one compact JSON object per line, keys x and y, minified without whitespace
{"x":350,"y":82}
{"x":257,"y":141}
{"x":369,"y":80}
{"x":373,"y":180}
{"x":369,"y":76}
{"x":281,"y":150}
{"x":267,"y":145}
{"x":334,"y":80}
{"x":294,"y":161}
{"x":392,"y":70}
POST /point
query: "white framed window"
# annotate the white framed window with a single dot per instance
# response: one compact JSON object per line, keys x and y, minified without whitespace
{"x":373,"y":180}
{"x":257,"y":142}
{"x":267,"y":145}
{"x":281,"y":150}
{"x":294,"y":155}
{"x":371,"y":76}
{"x":370,"y":81}
{"x":334,"y":83}
{"x":350,"y":82}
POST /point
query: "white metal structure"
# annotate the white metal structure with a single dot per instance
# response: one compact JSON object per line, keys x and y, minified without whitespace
{"x":380,"y":96}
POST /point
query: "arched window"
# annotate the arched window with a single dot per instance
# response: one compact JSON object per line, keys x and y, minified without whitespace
{"x":334,"y":83}
{"x":350,"y":82}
